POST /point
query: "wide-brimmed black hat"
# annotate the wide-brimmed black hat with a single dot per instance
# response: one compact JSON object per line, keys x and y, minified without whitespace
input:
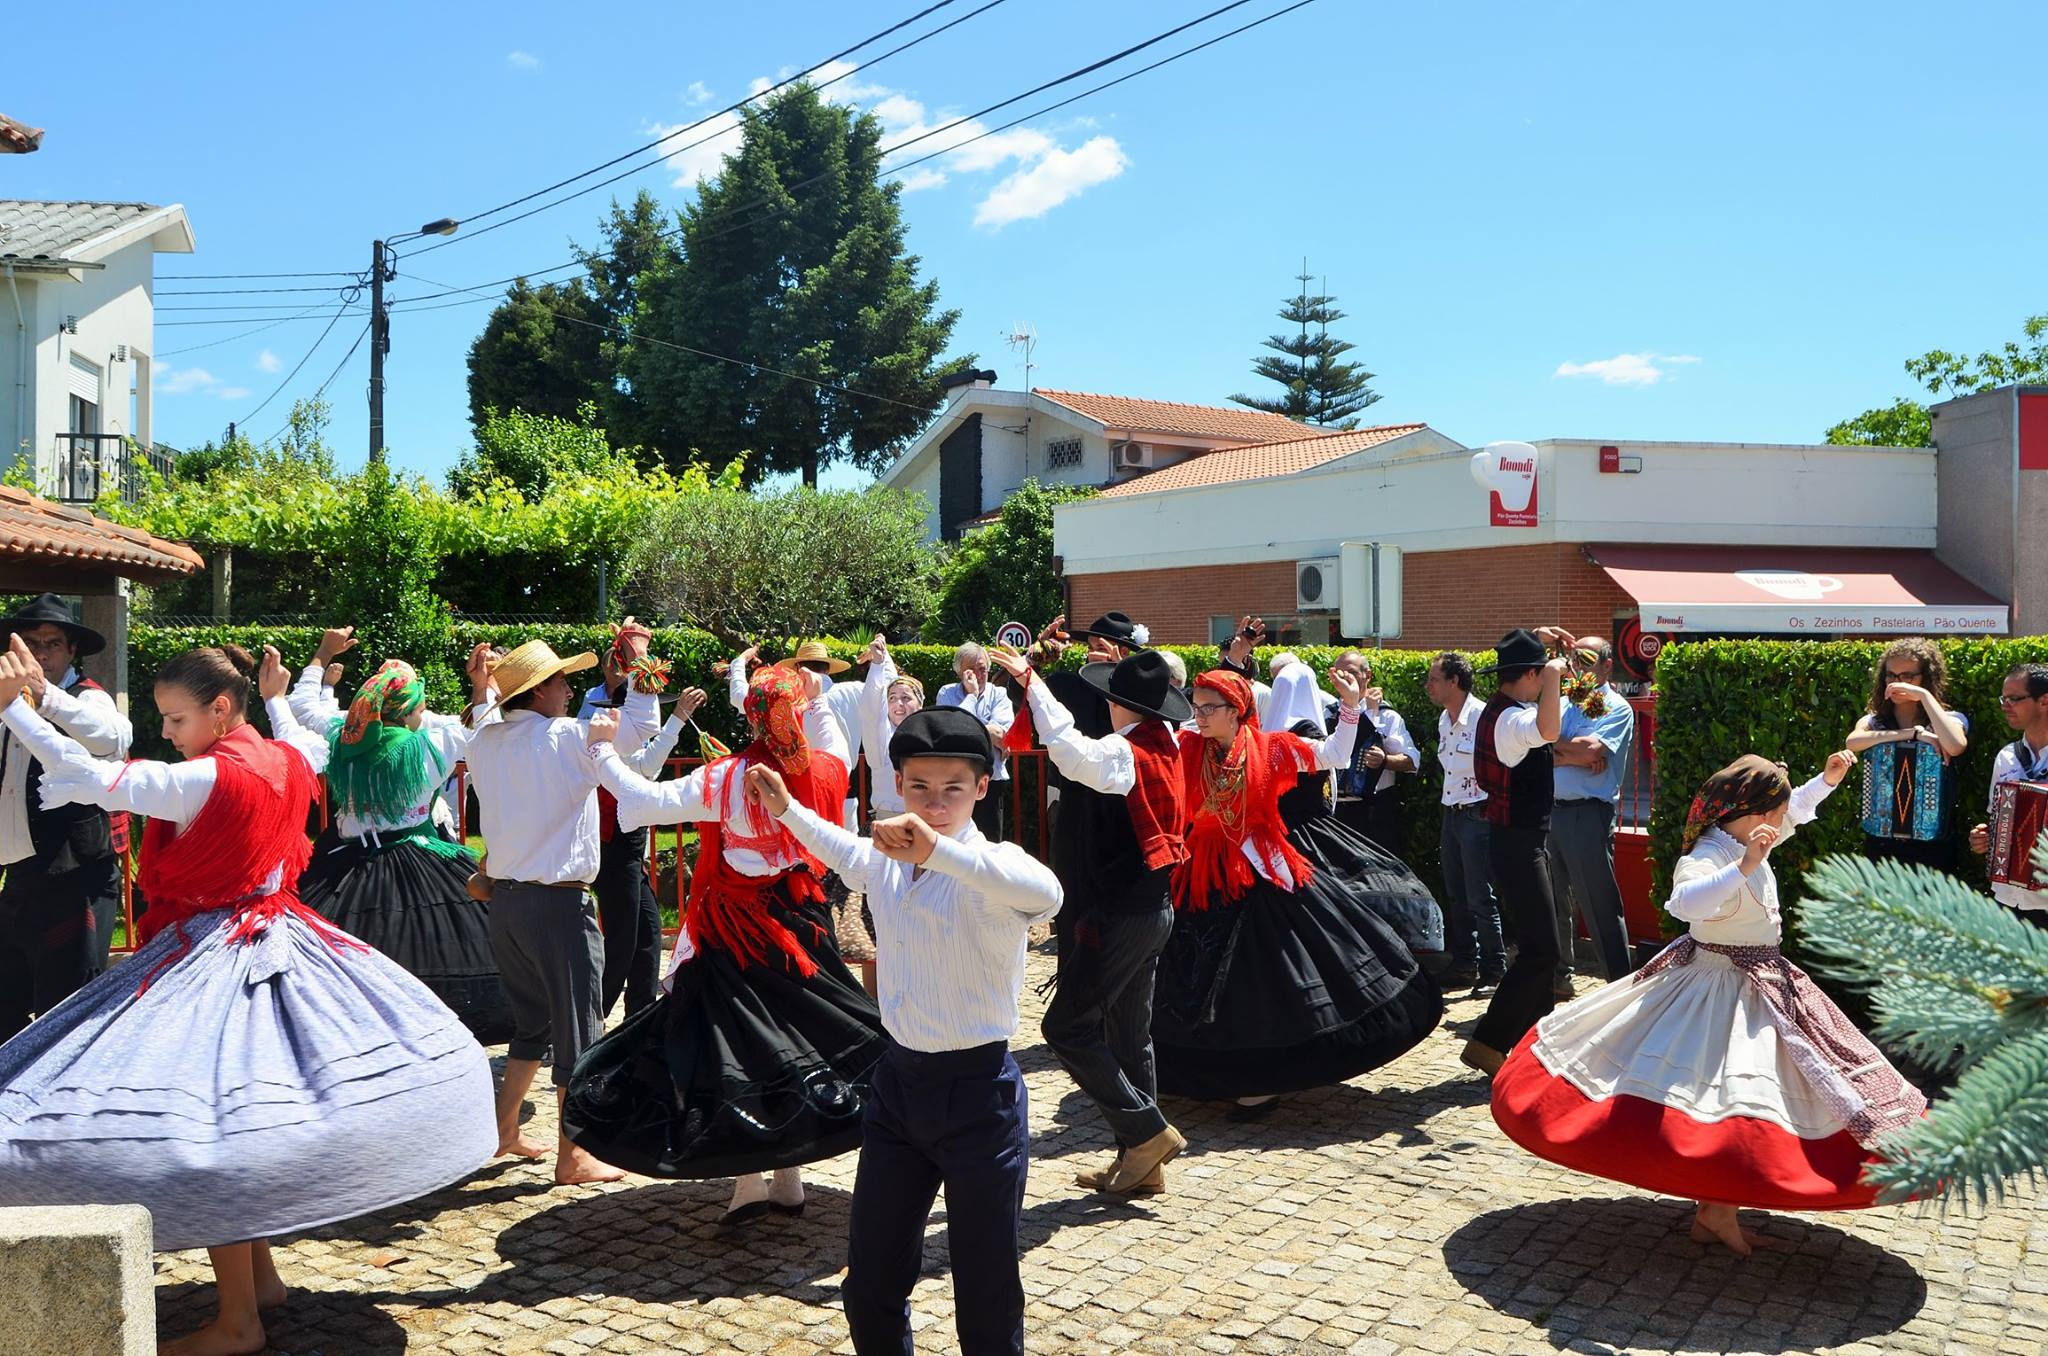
{"x":1115,"y":627}
{"x":1143,"y":683}
{"x":1518,"y":649}
{"x":47,"y":609}
{"x":942,"y":732}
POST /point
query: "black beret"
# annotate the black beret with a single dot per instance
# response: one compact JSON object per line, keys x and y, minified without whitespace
{"x":941,"y":732}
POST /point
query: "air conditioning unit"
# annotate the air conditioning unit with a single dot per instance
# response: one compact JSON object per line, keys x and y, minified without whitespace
{"x":1134,"y":457}
{"x":1316,"y":587}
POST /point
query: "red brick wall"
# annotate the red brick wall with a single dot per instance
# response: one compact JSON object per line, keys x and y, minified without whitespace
{"x":1453,"y":599}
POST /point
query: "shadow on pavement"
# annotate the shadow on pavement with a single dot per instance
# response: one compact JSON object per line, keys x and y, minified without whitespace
{"x":1623,"y":1273}
{"x":331,"y":1321}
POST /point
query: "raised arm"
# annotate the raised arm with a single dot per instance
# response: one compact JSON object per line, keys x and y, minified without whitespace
{"x":647,"y":759}
{"x":91,"y":718}
{"x":852,"y":856}
{"x":271,"y":683}
{"x":641,"y":802}
{"x":1003,"y":872}
{"x":1105,"y":765}
{"x":1806,"y":799}
{"x":1334,"y":749}
{"x":71,"y":776}
{"x":736,"y":678}
{"x":1702,"y":891}
{"x":312,"y":700}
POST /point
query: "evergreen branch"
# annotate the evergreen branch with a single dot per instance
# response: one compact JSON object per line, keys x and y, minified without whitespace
{"x":1990,"y":1130}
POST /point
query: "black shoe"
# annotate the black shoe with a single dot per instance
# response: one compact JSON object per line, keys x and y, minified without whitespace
{"x":1258,"y":1111}
{"x":1459,"y":977}
{"x":1487,"y":986}
{"x":791,"y":1210}
{"x":746,"y":1214}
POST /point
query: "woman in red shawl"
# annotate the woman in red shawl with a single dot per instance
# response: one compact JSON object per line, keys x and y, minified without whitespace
{"x":758,"y":1056}
{"x":1281,"y":974}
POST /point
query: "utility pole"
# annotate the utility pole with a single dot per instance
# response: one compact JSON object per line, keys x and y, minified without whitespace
{"x":381,"y":272}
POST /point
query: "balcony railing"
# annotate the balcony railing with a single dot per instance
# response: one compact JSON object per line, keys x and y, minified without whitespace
{"x":85,"y":465}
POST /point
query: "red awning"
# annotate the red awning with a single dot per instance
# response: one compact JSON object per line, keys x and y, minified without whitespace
{"x":1793,"y":590}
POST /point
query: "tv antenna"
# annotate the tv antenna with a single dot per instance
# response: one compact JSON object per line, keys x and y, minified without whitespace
{"x":1023,"y":336}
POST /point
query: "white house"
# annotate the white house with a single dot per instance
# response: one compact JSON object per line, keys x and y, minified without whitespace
{"x":77,"y":330}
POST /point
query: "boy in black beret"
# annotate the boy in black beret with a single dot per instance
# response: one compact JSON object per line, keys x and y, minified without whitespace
{"x":952,"y":912}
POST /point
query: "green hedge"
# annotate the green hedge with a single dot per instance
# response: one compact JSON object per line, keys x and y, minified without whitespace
{"x":1796,"y":701}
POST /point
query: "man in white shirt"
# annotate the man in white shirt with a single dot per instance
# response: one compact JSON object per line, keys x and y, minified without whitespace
{"x":2024,"y":701}
{"x":988,"y":703}
{"x":536,"y":799}
{"x":62,"y":895}
{"x":1471,"y":922}
{"x":948,"y":1105}
{"x":1368,"y":793}
{"x":1512,"y":761}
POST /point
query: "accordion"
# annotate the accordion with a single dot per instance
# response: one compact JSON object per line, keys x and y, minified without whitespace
{"x":1905,"y":790}
{"x":2017,"y":812}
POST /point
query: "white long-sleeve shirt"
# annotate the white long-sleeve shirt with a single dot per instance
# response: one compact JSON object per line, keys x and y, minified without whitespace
{"x":445,"y":739}
{"x":536,"y":791}
{"x":176,"y":792}
{"x":1725,"y":906}
{"x":950,"y":935}
{"x":2008,"y":767}
{"x":876,"y":730}
{"x":89,"y":717}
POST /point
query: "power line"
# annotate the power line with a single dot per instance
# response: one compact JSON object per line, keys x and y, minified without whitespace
{"x":235,"y":277}
{"x":243,"y":320}
{"x":241,"y":291}
{"x":322,"y":388}
{"x":790,"y":189}
{"x":252,"y":305}
{"x":655,"y":146}
{"x":229,"y":339}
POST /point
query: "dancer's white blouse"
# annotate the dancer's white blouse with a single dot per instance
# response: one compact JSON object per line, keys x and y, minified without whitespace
{"x":444,"y":740}
{"x":1698,"y":1038}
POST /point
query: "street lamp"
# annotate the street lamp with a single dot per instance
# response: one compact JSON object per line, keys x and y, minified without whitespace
{"x":381,"y":272}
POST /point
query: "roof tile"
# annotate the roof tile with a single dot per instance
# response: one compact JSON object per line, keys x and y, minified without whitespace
{"x":32,"y":230}
{"x":1167,"y":416}
{"x":1261,"y":460}
{"x":37,"y":531}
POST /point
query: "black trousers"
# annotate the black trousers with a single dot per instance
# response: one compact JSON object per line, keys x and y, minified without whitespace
{"x":632,"y":924}
{"x":1521,"y":881}
{"x":1378,"y":817}
{"x":1939,"y":854}
{"x":51,"y":929}
{"x":992,"y":812}
{"x":1099,"y":1023}
{"x":956,"y":1120}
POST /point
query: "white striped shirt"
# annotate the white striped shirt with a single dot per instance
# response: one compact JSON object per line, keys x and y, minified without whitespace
{"x":949,"y":936}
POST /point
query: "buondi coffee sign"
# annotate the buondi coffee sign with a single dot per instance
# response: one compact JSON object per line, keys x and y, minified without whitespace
{"x":1507,"y":472}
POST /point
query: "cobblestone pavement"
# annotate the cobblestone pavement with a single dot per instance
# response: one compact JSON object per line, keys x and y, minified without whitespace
{"x":1383,"y":1215}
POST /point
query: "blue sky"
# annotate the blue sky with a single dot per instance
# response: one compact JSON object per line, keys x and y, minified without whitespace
{"x":1616,"y":221}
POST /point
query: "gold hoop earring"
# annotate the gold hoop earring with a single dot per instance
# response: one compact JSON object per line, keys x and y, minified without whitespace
{"x":220,"y":728}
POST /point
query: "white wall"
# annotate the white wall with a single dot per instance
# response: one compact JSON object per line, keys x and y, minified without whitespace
{"x":1418,"y":493}
{"x":114,"y":307}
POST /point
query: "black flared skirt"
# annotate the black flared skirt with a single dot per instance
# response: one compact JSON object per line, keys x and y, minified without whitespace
{"x":1281,"y":991}
{"x":735,"y":1069}
{"x":414,"y":906}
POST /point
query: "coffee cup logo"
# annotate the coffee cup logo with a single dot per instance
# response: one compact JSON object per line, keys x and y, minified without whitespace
{"x":1795,"y":585}
{"x":1507,"y":471}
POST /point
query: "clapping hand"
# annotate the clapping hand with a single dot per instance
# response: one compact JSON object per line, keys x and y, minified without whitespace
{"x":1349,"y":693}
{"x":478,"y":669}
{"x":1762,"y":839}
{"x":766,"y":789}
{"x":271,"y":679}
{"x":604,"y":726}
{"x":16,"y":666}
{"x":331,"y":678}
{"x":335,"y":641}
{"x":688,"y":701}
{"x":905,"y":838}
{"x":1839,"y":763}
{"x":877,"y":650}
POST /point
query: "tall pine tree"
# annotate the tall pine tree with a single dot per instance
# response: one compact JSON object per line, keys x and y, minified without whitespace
{"x":792,"y":259}
{"x":1317,"y":386}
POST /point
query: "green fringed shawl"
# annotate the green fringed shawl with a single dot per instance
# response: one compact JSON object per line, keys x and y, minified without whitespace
{"x":384,"y":774}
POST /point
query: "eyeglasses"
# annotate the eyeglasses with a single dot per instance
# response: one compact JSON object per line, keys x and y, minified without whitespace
{"x":1211,"y":708}
{"x":2008,"y":699}
{"x":1904,"y":675}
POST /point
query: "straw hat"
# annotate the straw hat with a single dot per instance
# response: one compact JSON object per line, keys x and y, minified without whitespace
{"x":813,"y":652}
{"x":531,"y":665}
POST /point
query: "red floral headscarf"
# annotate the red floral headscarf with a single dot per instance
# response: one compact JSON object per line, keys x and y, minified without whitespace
{"x":1233,"y":794}
{"x":1751,"y":785}
{"x":775,"y":701}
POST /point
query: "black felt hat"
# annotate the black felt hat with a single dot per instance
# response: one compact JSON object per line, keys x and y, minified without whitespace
{"x":1518,"y":649}
{"x":1117,"y":628}
{"x":942,"y":732}
{"x":48,"y":609}
{"x":1143,"y":683}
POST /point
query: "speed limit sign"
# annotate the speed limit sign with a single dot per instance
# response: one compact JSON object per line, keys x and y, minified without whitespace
{"x":1016,"y":635}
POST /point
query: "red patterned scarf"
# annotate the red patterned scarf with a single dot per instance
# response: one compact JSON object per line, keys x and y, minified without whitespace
{"x":1236,"y":792}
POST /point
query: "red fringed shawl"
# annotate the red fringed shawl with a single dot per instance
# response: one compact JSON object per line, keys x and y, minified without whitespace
{"x":1158,"y":807}
{"x":728,"y":908}
{"x":1236,"y":797}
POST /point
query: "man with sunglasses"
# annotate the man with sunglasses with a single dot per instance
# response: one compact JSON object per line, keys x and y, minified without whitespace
{"x":2024,"y":701}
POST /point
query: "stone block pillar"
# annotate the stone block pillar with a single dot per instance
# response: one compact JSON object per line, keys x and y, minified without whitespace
{"x":77,"y":1280}
{"x":107,"y":613}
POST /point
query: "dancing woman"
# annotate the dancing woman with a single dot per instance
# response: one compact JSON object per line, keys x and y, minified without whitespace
{"x":1718,"y":1071}
{"x":390,"y":878}
{"x":758,"y":1056}
{"x":1283,"y":971}
{"x":252,"y":1070}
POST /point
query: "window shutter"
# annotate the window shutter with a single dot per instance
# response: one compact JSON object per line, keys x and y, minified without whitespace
{"x":85,"y":379}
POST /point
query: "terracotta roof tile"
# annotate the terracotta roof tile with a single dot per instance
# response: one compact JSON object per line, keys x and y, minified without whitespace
{"x":40,"y":532}
{"x":1166,"y":416}
{"x":1260,"y":461}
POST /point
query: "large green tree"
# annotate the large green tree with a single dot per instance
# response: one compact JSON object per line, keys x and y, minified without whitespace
{"x":1316,"y":385}
{"x":1005,"y":571}
{"x":1906,"y":423}
{"x":793,"y":325}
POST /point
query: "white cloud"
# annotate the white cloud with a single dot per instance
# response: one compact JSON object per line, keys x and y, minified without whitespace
{"x":1627,"y":369}
{"x":1057,"y":176}
{"x":923,"y":177}
{"x":184,"y":380}
{"x":522,"y":61}
{"x":233,"y":393}
{"x":266,"y":361}
{"x":701,"y":152}
{"x":698,"y":93}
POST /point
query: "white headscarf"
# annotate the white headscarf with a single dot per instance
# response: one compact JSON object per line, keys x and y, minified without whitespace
{"x":1295,"y":698}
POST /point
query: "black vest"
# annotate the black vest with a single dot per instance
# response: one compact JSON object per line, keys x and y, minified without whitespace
{"x":1094,"y":848}
{"x":1530,"y":788}
{"x":69,"y":836}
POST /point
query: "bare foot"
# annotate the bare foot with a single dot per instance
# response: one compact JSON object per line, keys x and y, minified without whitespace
{"x":271,"y":1294}
{"x":519,"y":1146}
{"x":219,"y":1339}
{"x":1720,"y":1224}
{"x":574,"y":1167}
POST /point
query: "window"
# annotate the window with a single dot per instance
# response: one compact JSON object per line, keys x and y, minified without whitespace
{"x":1281,"y":629}
{"x":1063,"y":454}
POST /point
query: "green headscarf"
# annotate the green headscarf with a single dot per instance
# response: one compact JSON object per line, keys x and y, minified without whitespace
{"x":376,"y":767}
